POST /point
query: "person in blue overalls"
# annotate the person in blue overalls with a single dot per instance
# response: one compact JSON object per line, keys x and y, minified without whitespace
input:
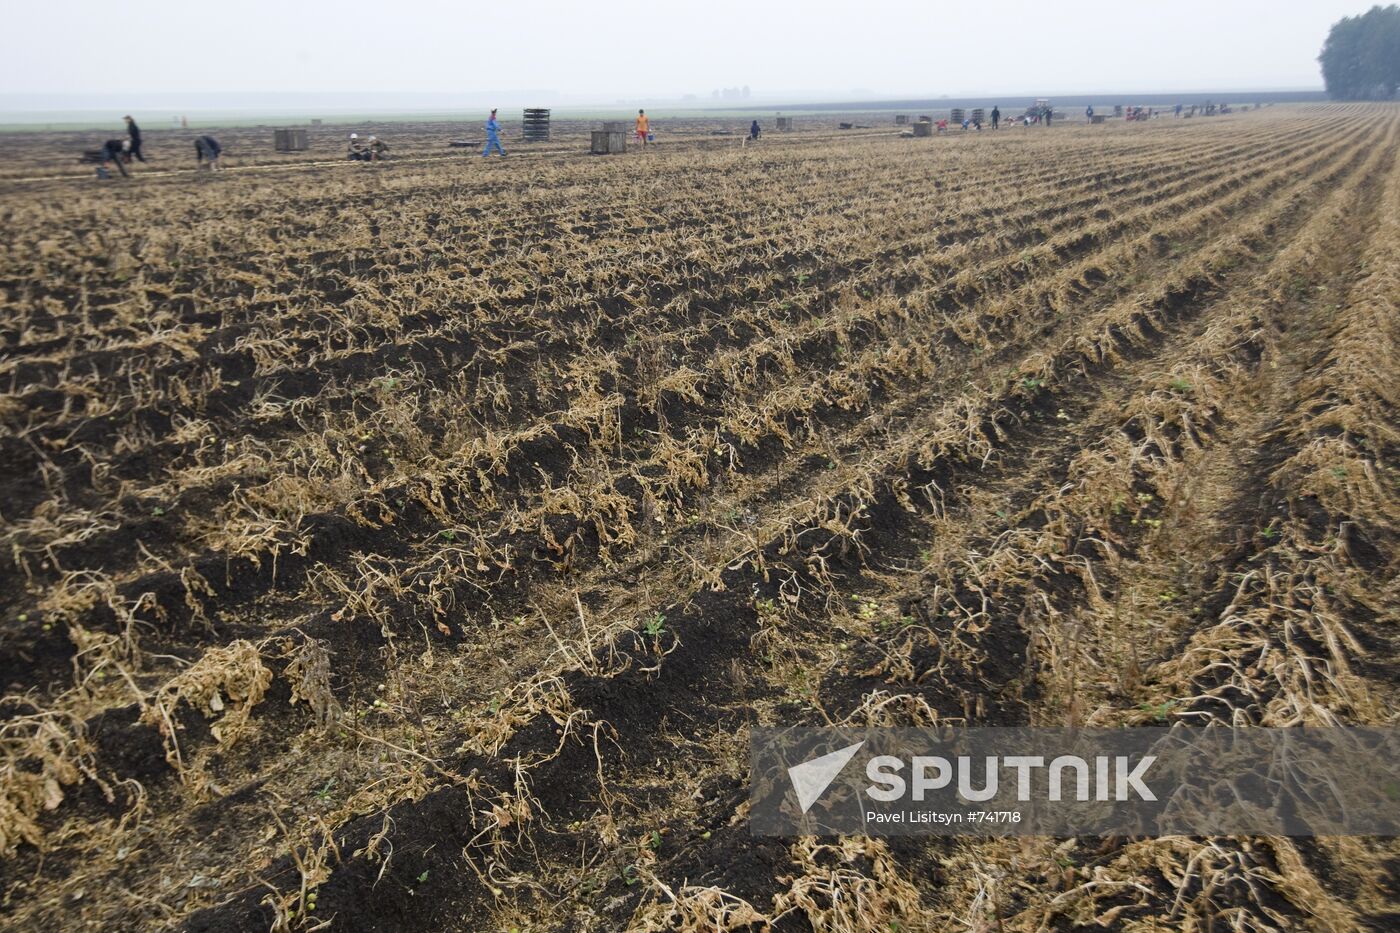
{"x":493,"y":129}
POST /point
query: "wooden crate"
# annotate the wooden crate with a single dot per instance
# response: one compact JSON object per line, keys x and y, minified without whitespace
{"x":608,"y":142}
{"x":979,"y":116}
{"x":1097,"y":118}
{"x":923,"y":129}
{"x":901,"y":119}
{"x":958,"y":115}
{"x":289,"y":140}
{"x":784,"y":123}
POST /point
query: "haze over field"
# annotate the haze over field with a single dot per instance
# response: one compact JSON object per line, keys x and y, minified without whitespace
{"x":420,"y":53}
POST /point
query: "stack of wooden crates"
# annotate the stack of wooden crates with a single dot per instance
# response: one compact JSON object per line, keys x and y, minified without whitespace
{"x":534,"y":128}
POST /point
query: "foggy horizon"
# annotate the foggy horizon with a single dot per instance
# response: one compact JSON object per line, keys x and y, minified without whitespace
{"x":77,"y":56}
{"x":438,"y":101}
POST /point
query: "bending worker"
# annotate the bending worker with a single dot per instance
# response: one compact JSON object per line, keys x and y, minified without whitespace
{"x":114,"y":152}
{"x":207,"y":151}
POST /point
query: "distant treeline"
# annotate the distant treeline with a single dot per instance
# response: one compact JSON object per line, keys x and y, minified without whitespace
{"x":1361,"y":58}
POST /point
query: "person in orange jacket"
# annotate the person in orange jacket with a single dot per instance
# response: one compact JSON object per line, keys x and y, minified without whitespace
{"x":643,"y":126}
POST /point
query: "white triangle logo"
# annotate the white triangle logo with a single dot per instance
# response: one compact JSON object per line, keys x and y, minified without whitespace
{"x":811,"y":778}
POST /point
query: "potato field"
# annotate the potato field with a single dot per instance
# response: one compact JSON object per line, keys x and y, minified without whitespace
{"x":412,"y":546}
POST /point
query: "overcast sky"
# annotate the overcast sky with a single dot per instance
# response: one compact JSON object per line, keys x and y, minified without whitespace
{"x":664,"y":48}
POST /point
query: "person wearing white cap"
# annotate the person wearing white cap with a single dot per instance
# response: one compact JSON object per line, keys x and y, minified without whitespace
{"x":356,"y":152}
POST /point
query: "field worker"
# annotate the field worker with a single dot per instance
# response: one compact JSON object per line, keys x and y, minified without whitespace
{"x":376,"y":148}
{"x":1049,"y":115}
{"x":493,"y":136}
{"x":643,"y":127}
{"x":206,"y":152}
{"x":134,"y":131}
{"x":1089,"y":113}
{"x":996,"y":117}
{"x":114,"y":151}
{"x":754,"y":130}
{"x":355,"y":151}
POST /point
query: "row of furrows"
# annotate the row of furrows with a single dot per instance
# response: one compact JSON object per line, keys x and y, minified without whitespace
{"x":1244,"y":631}
{"x":491,"y":222}
{"x":1298,"y":629}
{"x":1124,"y":308}
{"x":951,"y":187}
{"x":1192,"y":276}
{"x":80,"y":457}
{"x":156,"y":387}
{"x":1073,"y":181}
{"x":381,"y":545}
{"x":1017,"y":404}
{"x":556,"y":780}
{"x":1223,"y":336}
{"x":683,"y":338}
{"x":427,"y":348}
{"x":816,"y":348}
{"x":531,"y":300}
